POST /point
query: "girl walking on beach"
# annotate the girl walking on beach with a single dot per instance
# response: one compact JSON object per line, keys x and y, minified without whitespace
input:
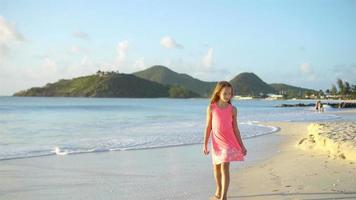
{"x":226,"y":145}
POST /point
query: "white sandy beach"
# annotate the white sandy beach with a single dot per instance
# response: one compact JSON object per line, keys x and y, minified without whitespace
{"x":335,"y":138}
{"x":298,"y":172}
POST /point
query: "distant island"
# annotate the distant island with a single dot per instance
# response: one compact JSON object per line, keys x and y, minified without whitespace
{"x":108,"y":84}
{"x":160,"y":81}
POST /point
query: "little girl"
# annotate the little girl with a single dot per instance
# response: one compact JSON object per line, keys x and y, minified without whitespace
{"x":226,"y":145}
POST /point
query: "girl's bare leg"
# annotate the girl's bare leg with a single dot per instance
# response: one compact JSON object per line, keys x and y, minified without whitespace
{"x":225,"y":179}
{"x":217,"y":174}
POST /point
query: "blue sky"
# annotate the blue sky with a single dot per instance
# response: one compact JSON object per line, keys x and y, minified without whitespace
{"x":302,"y":43}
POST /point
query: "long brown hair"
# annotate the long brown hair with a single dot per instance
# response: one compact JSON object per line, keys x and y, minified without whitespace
{"x":219,"y":86}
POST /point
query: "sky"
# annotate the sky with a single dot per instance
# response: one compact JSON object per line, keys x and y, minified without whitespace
{"x":302,"y":43}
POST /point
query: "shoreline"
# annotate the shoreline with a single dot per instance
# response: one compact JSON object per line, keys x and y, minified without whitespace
{"x":159,"y":173}
{"x":280,"y":168}
{"x":297,"y":172}
{"x":59,"y":152}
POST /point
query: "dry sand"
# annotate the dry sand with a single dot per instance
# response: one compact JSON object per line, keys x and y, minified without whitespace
{"x":338,"y":139}
{"x":298,"y":172}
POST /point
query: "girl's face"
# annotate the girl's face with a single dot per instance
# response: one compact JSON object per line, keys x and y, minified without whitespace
{"x":225,"y":94}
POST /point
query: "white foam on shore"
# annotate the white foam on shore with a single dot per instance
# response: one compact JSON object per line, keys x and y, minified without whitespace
{"x":60,"y":152}
{"x":271,"y":129}
{"x":249,"y":129}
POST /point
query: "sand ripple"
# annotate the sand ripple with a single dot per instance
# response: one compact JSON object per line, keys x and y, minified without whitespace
{"x":336,"y":138}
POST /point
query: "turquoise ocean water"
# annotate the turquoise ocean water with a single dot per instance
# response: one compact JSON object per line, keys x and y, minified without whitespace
{"x":45,"y":126}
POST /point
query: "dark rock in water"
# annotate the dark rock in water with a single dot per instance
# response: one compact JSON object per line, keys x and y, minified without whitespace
{"x":343,"y":105}
{"x":296,"y":105}
{"x":334,"y":105}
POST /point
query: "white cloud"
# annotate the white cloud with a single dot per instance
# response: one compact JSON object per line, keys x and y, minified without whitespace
{"x":307,"y":70}
{"x":170,"y":43}
{"x":8,"y":32}
{"x":49,"y":65}
{"x":208,"y":59}
{"x":8,"y":35}
{"x":121,"y":51}
{"x":81,"y":35}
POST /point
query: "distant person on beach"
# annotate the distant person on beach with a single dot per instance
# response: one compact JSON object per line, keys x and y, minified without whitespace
{"x":319,"y":106}
{"x":226,"y":145}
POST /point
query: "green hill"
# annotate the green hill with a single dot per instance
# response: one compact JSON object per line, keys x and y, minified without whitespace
{"x":157,"y":81}
{"x":166,"y":76}
{"x":289,"y":90}
{"x":108,"y":85}
{"x":250,"y":84}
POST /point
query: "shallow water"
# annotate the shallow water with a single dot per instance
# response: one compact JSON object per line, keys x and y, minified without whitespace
{"x":40,"y":126}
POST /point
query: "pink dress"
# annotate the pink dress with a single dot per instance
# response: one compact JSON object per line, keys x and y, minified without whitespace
{"x":225,"y":147}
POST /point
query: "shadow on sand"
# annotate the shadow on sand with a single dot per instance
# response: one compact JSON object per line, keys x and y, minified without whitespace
{"x":304,"y":196}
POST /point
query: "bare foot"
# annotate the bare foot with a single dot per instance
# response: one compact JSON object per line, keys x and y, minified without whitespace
{"x":223,"y":198}
{"x":215,"y":197}
{"x":217,"y":194}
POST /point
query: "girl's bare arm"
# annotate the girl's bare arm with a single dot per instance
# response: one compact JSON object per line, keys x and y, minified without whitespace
{"x":207,"y":126}
{"x":236,"y":129}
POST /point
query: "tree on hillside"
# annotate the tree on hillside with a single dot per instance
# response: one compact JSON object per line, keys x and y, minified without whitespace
{"x":340,"y":84}
{"x":353,"y":91}
{"x":353,"y":88}
{"x":347,"y":88}
{"x":308,"y":94}
{"x":320,"y":93}
{"x":178,"y":91}
{"x":333,"y":90}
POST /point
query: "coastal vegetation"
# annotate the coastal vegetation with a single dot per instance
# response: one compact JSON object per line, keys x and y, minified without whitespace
{"x":109,"y":84}
{"x":160,"y":81}
{"x":344,"y":90}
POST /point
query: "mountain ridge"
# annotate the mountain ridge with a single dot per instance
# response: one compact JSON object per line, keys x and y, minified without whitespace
{"x":156,"y":81}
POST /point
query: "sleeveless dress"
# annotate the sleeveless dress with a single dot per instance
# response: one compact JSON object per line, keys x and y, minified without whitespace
{"x":224,"y":145}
